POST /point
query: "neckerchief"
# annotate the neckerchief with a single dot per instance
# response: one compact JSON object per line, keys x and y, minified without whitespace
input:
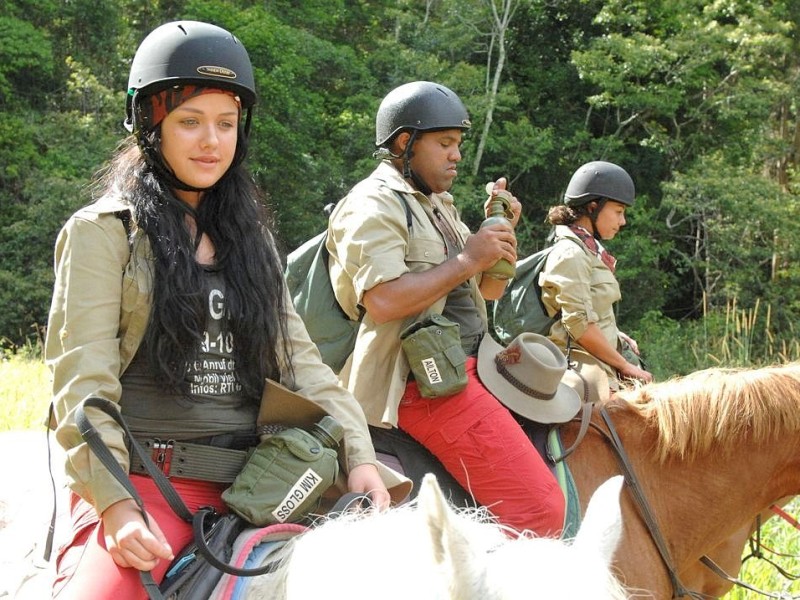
{"x":594,"y":246}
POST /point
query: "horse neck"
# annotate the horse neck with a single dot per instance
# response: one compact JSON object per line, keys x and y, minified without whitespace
{"x":696,"y":501}
{"x":723,"y":487}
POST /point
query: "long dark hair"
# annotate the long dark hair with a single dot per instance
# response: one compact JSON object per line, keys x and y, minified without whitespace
{"x":236,"y":219}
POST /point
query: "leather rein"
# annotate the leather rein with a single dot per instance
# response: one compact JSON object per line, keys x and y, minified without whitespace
{"x":645,"y":510}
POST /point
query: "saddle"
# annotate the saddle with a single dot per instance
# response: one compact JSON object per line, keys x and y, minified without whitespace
{"x":398,"y":450}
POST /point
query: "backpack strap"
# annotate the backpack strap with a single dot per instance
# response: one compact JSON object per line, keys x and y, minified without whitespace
{"x":125,"y":217}
{"x":407,"y":208}
{"x":402,"y":197}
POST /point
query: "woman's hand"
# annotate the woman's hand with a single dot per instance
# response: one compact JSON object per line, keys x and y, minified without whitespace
{"x":629,"y":371}
{"x":365,"y":479}
{"x":128,"y":539}
{"x":630,"y":341}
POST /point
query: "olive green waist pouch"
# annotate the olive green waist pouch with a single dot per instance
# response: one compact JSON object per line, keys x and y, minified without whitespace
{"x":285,"y":477}
{"x":433,"y":349}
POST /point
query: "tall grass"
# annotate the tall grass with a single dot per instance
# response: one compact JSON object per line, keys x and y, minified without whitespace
{"x":24,"y":393}
{"x":733,"y":336}
{"x":783,"y":548}
{"x":747,"y":337}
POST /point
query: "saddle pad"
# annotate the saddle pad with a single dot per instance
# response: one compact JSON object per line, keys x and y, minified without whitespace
{"x":572,"y":516}
{"x":252,"y":549}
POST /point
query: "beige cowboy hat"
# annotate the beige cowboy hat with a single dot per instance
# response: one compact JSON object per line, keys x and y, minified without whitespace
{"x":526,"y":376}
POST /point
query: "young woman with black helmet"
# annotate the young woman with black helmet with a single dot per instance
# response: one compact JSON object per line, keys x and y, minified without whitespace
{"x":578,"y":278}
{"x":169,"y":300}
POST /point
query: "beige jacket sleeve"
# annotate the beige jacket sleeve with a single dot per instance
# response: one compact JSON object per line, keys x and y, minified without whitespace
{"x":317,"y":382}
{"x":82,"y":346}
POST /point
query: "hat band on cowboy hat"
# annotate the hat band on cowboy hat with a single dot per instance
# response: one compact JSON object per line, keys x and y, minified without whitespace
{"x":526,"y":377}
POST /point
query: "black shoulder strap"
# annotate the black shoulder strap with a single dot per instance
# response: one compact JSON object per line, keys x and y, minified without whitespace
{"x":125,"y":217}
{"x":402,"y":197}
{"x":409,"y":216}
{"x":101,"y":450}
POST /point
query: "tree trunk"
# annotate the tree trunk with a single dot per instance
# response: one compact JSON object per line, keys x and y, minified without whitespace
{"x":500,"y":25}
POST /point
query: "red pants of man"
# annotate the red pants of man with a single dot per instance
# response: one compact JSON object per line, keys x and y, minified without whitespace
{"x":480,"y":443}
{"x":85,"y":569}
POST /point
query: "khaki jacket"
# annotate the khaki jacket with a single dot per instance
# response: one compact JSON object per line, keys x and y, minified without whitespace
{"x":99,"y":313}
{"x":370,"y":243}
{"x":577,"y":283}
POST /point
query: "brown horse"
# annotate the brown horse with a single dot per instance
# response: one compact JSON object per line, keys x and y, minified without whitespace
{"x":712,"y":450}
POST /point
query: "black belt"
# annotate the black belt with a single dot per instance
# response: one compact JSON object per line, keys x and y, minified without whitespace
{"x":191,"y":461}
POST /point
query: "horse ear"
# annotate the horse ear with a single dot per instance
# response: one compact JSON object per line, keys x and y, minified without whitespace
{"x":436,"y":512}
{"x":456,"y":540}
{"x":601,"y":529}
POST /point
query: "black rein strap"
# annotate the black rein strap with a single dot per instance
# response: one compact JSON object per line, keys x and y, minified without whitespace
{"x":679,"y":591}
{"x":98,"y":446}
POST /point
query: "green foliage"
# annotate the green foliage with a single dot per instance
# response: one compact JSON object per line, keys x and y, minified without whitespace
{"x":696,"y":99}
{"x":26,"y":63}
{"x":26,"y":243}
{"x":685,"y":75}
{"x":64,"y":150}
{"x":18,"y":152}
{"x":643,"y":283}
{"x":730,"y":248}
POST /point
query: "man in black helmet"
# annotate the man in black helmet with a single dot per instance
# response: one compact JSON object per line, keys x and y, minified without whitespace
{"x":578,"y":278}
{"x":399,"y":252}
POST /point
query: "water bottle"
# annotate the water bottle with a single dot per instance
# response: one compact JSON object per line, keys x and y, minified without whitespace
{"x":328,"y":431}
{"x":499,"y":207}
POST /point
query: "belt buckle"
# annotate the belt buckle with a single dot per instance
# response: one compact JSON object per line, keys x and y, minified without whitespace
{"x":162,"y":454}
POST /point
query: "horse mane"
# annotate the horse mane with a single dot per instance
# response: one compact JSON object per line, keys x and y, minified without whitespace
{"x":718,"y":407}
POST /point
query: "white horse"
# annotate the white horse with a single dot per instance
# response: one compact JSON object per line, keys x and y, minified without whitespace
{"x":429,"y":550}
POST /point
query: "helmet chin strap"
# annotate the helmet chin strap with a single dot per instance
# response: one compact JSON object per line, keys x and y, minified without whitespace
{"x":593,"y":217}
{"x":408,"y":172}
{"x":384,"y":153}
{"x":420,"y":184}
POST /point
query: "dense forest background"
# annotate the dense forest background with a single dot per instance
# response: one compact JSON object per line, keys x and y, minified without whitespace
{"x":697,"y":99}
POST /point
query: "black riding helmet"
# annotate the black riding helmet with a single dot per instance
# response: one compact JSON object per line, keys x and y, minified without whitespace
{"x":417,"y":106}
{"x":188,"y":53}
{"x":184,"y":53}
{"x":599,"y":181}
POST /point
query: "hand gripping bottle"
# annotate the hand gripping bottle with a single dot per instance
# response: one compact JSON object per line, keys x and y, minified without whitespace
{"x":499,"y":212}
